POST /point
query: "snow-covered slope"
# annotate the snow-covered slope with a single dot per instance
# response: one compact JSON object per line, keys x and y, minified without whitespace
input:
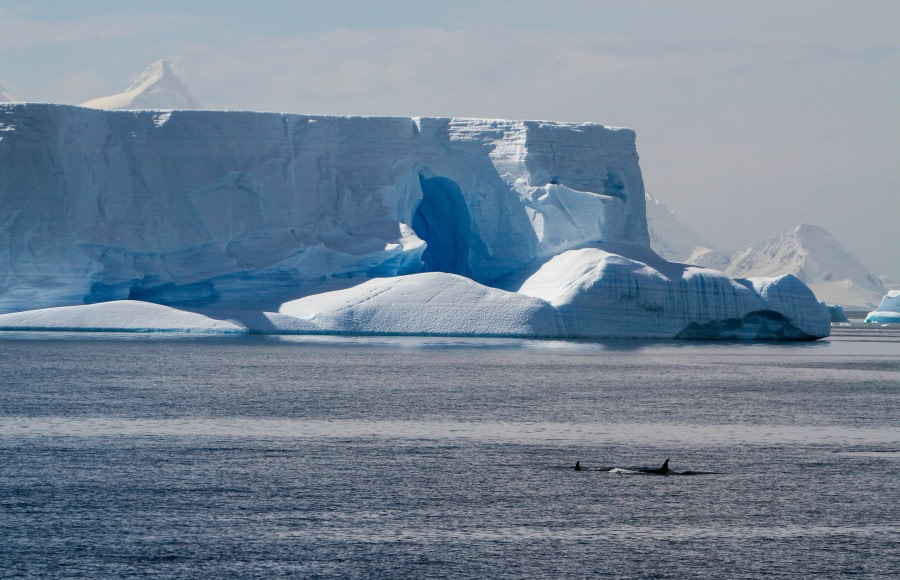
{"x":670,"y":237}
{"x":255,"y":218}
{"x":430,"y":303}
{"x":6,"y":96}
{"x":156,"y":88}
{"x":710,"y":258}
{"x":818,"y":259}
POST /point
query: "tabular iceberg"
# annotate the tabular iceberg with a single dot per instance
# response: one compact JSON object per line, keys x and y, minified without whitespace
{"x":295,"y":223}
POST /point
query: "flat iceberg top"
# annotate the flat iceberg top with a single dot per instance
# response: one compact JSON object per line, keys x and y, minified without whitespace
{"x":474,"y":123}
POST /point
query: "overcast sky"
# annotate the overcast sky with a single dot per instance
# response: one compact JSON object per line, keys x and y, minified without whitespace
{"x":751,"y":116}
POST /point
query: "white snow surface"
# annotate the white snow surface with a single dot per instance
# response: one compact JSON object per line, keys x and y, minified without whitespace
{"x":889,"y":309}
{"x":813,"y":255}
{"x":264,"y":222}
{"x":157,"y":88}
{"x":432,"y":303}
{"x":117,"y":316}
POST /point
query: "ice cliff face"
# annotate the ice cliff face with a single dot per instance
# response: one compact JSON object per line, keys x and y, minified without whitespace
{"x":183,"y":206}
{"x":288,"y":216}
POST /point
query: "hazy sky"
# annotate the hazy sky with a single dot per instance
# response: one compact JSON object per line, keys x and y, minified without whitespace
{"x":751,"y":116}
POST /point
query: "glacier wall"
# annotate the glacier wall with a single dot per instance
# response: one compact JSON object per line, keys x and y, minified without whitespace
{"x":191,"y":208}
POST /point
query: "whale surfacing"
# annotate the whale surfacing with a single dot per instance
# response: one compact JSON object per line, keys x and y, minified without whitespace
{"x":661,"y":470}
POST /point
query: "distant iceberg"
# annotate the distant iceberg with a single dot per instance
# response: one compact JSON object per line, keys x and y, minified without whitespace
{"x":889,"y":309}
{"x":263,"y":222}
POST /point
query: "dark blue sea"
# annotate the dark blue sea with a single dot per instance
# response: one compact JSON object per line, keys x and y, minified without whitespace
{"x":264,"y":456}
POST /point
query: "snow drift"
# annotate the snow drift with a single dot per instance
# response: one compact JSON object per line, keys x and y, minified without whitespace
{"x":464,"y":224}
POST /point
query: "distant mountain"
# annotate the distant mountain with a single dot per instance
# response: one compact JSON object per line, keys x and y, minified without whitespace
{"x":670,"y":237}
{"x":156,"y":88}
{"x":710,"y":258}
{"x":812,"y":254}
{"x":6,"y":96}
{"x":806,"y":251}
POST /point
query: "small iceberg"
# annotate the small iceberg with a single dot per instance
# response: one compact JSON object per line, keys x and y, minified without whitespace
{"x":888,"y":312}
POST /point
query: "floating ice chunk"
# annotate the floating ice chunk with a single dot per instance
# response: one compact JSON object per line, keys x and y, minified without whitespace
{"x":889,"y":309}
{"x":836,"y":311}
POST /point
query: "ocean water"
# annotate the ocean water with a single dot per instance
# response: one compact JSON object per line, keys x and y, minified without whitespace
{"x":177,"y":456}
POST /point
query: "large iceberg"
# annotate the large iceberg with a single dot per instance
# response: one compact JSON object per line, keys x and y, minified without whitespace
{"x":296,"y":223}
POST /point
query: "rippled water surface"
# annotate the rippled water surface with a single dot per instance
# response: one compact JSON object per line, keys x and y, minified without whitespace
{"x":313,"y":456}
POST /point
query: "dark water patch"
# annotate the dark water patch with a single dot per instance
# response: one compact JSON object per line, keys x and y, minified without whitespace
{"x":391,"y":457}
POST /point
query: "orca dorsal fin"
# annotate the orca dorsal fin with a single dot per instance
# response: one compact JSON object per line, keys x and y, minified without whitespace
{"x":578,"y":466}
{"x":665,"y":466}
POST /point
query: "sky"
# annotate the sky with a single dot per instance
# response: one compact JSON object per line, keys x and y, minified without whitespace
{"x":751,"y":117}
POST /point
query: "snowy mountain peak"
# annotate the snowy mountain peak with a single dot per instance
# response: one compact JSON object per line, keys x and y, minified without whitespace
{"x":156,"y":88}
{"x":814,"y":255}
{"x":810,"y":233}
